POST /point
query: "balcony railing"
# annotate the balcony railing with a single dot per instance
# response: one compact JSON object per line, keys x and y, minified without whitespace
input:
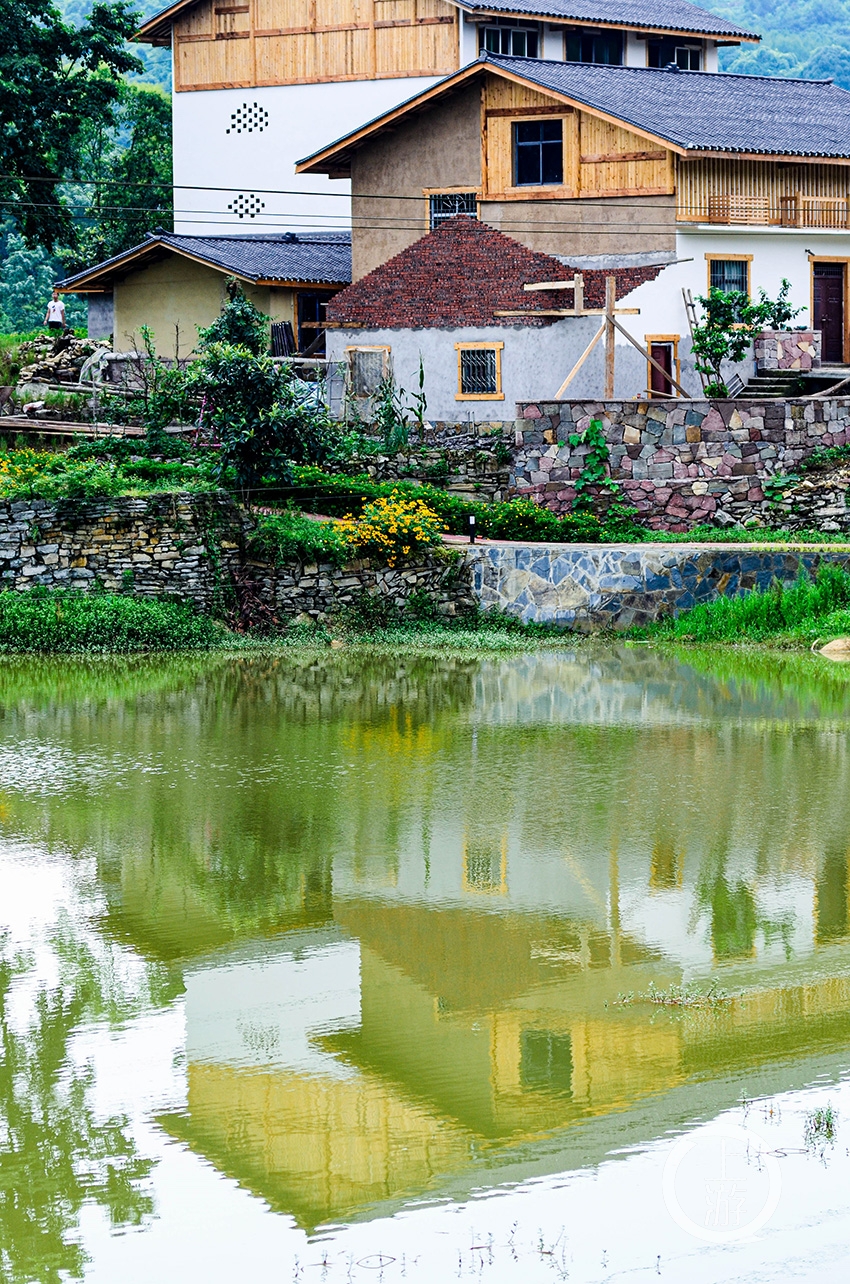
{"x":792,"y":211}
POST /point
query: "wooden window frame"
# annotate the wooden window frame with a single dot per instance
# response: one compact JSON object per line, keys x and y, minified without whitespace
{"x":545,"y":191}
{"x":730,"y":258}
{"x":473,"y":189}
{"x":674,"y":339}
{"x":831,"y":258}
{"x":386,"y":348}
{"x":499,"y":394}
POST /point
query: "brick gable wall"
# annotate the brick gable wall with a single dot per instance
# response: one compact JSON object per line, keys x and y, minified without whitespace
{"x":461,"y":274}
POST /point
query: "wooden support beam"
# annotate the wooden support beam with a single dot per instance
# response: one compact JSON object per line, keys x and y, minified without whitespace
{"x":578,"y":365}
{"x":567,"y":312}
{"x":610,"y":304}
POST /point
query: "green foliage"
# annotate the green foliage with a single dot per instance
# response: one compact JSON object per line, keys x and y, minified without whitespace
{"x":521,"y":519}
{"x":255,"y":410}
{"x":390,"y":414}
{"x":127,"y":156}
{"x":724,"y":334}
{"x":810,"y":609}
{"x":240,"y":325}
{"x":594,"y":473}
{"x":54,"y":79}
{"x":64,"y":620}
{"x":729,"y":321}
{"x":93,"y":469}
{"x":746,"y":535}
{"x":776,"y":313}
{"x":27,"y":276}
{"x":800,"y":38}
{"x":290,"y":536}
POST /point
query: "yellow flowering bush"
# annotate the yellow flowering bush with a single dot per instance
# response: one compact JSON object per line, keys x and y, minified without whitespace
{"x":393,"y":528}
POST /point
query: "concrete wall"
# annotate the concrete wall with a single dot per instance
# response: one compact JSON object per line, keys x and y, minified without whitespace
{"x":180,"y":292}
{"x":438,"y":150}
{"x":533,"y":357}
{"x":598,"y":586}
{"x":101,"y":315}
{"x":614,"y":225}
{"x":301,"y":119}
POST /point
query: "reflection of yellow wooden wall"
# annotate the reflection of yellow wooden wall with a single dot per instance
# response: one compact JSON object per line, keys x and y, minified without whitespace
{"x":600,"y":158}
{"x":329,"y":1146}
{"x":241,"y":43}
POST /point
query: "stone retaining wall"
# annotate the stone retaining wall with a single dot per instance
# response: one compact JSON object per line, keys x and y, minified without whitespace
{"x":184,"y":545}
{"x":594,"y":586}
{"x":302,"y":590}
{"x":679,"y":462}
{"x":788,"y":349}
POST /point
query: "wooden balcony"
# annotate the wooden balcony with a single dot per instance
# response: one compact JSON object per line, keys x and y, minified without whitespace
{"x":756,"y":194}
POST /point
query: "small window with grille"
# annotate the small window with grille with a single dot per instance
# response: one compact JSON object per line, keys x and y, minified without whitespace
{"x":479,"y":372}
{"x":444,"y":205}
{"x":366,"y":368}
{"x":729,"y":274}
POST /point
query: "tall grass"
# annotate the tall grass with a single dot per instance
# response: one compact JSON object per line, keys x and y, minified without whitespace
{"x":45,"y":621}
{"x":809,"y":609}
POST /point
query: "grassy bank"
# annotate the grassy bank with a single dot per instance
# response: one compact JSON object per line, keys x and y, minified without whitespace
{"x":67,"y":622}
{"x":45,"y":621}
{"x":808,"y":611}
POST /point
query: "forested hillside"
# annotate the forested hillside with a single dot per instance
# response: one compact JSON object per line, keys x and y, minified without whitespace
{"x":808,"y":38}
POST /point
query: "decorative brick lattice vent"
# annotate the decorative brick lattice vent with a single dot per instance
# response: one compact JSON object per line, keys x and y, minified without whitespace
{"x":246,"y":206}
{"x":248,"y":119}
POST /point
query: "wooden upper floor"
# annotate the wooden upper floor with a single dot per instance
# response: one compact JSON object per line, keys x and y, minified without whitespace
{"x":219,"y":44}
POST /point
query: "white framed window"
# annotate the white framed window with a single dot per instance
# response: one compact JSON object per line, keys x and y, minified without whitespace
{"x":479,"y":372}
{"x":508,"y":36}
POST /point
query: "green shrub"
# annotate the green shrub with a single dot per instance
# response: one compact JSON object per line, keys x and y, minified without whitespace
{"x":290,"y":536}
{"x":66,"y":620}
{"x":335,"y":495}
{"x":811,"y":608}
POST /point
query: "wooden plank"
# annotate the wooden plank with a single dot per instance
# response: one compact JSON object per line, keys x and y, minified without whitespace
{"x":606,"y":157}
{"x":566,"y":312}
{"x":610,"y":304}
{"x":554,"y":109}
{"x":666,"y":373}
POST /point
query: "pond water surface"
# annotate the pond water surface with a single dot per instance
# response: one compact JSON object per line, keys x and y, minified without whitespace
{"x":342,"y":968}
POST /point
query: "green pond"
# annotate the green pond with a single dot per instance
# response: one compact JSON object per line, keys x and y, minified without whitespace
{"x":347,"y":966}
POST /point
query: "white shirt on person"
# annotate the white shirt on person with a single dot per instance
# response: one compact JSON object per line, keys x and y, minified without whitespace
{"x":56,"y":311}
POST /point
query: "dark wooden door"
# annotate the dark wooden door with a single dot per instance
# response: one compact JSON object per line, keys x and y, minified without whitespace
{"x":829,"y":309}
{"x":660,"y":386}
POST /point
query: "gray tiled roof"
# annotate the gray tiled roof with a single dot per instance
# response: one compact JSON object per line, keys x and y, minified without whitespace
{"x":317,"y":258}
{"x":664,"y":15}
{"x":705,"y":111}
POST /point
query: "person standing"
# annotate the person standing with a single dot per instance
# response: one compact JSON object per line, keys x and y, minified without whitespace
{"x":54,"y":317}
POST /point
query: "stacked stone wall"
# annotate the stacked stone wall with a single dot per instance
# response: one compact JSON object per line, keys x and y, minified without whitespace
{"x":183,"y":545}
{"x":680,"y":463}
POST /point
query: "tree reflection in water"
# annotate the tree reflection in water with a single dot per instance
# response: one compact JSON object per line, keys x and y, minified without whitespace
{"x":56,"y":1153}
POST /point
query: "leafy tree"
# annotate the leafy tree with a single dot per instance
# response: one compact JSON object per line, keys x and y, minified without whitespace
{"x":778,"y":312}
{"x":128,"y":155}
{"x":241,"y":324}
{"x":54,"y":79}
{"x":259,"y":415}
